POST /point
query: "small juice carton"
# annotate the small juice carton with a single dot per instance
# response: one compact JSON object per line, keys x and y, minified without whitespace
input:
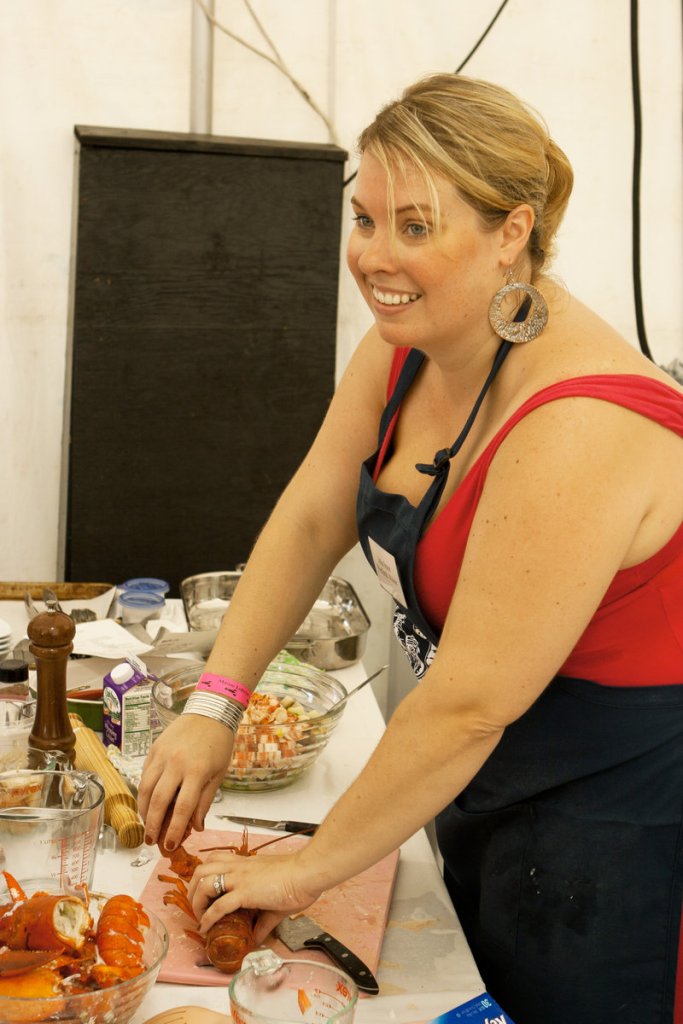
{"x":127,"y":701}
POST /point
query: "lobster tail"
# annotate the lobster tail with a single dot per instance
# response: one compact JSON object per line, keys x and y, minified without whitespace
{"x":229,"y":940}
{"x":121,"y":933}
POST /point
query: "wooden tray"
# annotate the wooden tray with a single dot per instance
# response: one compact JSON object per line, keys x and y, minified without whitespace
{"x":14,"y":591}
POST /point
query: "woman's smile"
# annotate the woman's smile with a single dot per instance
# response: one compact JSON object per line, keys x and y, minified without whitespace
{"x":387,"y":298}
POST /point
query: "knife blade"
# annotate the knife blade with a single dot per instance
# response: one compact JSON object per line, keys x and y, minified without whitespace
{"x":304,"y":827}
{"x":302,"y":932}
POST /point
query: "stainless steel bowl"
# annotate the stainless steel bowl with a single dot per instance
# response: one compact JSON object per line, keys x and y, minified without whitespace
{"x":206,"y":597}
{"x":332,"y":636}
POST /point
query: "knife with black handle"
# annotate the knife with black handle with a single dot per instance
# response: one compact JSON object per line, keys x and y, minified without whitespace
{"x":302,"y":932}
{"x":301,"y":827}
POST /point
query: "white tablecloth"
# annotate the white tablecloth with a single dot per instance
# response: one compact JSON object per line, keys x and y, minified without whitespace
{"x":425,"y":967}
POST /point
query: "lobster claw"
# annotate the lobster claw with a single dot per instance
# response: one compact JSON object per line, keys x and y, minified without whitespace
{"x":13,"y":888}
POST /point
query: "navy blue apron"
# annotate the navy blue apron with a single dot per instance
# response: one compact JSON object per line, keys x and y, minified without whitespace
{"x":564,"y":855}
{"x":392,"y":522}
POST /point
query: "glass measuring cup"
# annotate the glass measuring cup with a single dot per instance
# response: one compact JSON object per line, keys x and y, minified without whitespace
{"x":49,"y":826}
{"x":269,"y":990}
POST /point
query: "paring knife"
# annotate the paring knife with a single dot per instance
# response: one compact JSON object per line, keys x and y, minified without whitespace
{"x":278,"y":826}
{"x":302,"y":932}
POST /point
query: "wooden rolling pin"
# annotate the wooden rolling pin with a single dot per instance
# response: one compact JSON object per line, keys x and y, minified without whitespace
{"x":120,"y":806}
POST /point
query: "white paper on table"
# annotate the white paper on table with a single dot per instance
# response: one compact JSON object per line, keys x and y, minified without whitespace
{"x":106,"y":639}
{"x":200,"y":642}
{"x":164,"y":624}
{"x":15,"y":611}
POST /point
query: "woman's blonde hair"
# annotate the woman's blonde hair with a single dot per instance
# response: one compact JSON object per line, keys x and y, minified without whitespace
{"x":493,"y":147}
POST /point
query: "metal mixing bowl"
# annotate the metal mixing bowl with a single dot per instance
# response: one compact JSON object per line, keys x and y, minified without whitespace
{"x":332,"y":636}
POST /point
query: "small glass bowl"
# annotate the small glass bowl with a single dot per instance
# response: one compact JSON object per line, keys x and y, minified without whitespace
{"x":267,"y":756}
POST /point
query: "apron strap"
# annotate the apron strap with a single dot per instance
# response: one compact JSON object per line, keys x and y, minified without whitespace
{"x":444,"y":455}
{"x":441,"y":465}
{"x":414,"y":361}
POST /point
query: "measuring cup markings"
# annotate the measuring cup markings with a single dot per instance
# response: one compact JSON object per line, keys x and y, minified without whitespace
{"x":54,"y":843}
{"x":74,"y":858}
{"x":329,"y":1001}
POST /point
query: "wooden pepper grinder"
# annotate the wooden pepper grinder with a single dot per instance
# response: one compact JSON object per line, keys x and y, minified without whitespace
{"x":51,"y":634}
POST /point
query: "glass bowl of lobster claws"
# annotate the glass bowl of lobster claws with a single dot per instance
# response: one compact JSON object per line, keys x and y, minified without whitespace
{"x":80,"y":957}
{"x":293,"y":711}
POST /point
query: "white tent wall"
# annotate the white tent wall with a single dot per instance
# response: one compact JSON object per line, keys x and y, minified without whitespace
{"x":128,"y":64}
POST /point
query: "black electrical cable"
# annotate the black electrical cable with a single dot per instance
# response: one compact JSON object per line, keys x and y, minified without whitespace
{"x":462,"y":64}
{"x":635,"y":188}
{"x":637,"y":159}
{"x":482,"y":37}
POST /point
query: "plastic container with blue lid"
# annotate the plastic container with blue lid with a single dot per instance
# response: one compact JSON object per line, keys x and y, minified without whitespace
{"x":136,"y":605}
{"x":146,"y":584}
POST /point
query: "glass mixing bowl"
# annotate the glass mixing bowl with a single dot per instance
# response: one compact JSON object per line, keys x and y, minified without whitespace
{"x":267,"y":754}
{"x":103,"y":1006}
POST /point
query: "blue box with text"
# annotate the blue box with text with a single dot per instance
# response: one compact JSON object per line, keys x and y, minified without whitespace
{"x":481,"y":1010}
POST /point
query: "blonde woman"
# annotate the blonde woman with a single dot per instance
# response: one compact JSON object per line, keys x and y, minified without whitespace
{"x":521,"y":498}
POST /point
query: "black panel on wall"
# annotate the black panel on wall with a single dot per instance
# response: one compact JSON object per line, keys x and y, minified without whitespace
{"x":202,"y":346}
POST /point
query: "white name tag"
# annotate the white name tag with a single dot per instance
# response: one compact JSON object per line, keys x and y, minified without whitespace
{"x":387,"y":571}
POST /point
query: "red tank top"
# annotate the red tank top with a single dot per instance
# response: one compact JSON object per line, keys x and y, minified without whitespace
{"x":635,"y":637}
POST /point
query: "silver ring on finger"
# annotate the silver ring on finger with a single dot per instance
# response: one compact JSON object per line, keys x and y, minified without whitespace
{"x":219,"y":885}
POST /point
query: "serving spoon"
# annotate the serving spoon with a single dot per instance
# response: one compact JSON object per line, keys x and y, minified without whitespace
{"x":360,"y":686}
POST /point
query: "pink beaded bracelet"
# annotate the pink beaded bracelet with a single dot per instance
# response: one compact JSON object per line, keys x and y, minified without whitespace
{"x":209,"y":682}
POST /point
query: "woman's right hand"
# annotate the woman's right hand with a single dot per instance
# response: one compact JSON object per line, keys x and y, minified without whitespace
{"x":186,"y":764}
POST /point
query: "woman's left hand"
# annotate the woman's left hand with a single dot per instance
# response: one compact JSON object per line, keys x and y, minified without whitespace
{"x":276,"y":885}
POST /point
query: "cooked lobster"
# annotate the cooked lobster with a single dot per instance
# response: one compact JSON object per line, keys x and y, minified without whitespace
{"x":228,"y":941}
{"x":45,"y":921}
{"x":120,"y":933}
{"x":49,"y":944}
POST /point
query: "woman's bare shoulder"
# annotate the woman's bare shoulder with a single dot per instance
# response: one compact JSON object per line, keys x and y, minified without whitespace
{"x":578,"y":342}
{"x":366,"y":374}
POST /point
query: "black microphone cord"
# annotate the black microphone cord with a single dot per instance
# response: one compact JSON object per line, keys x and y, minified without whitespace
{"x":462,"y":64}
{"x":635,"y":188}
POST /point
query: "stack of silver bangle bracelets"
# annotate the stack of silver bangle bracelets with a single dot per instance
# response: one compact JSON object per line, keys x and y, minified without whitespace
{"x":210,"y":705}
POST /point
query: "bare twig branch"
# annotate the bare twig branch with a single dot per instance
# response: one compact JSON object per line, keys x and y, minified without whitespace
{"x":276,"y":61}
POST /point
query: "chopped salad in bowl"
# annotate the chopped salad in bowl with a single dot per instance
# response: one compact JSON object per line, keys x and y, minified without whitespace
{"x":290,"y":717}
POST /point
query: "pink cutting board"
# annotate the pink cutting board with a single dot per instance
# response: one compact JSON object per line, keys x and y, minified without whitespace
{"x":355,"y":912}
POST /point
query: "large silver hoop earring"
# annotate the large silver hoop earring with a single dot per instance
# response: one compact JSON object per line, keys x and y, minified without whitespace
{"x":519,"y":330}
